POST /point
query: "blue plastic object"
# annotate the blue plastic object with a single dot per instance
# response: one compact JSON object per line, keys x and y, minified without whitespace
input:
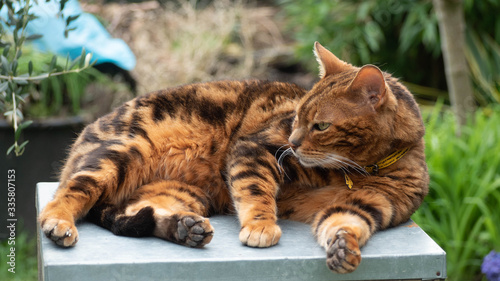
{"x":89,"y":34}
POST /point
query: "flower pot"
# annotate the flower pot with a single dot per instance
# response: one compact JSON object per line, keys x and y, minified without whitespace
{"x":49,"y":141}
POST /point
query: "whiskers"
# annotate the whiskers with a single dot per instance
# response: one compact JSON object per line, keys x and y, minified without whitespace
{"x":284,"y":153}
{"x":317,"y":159}
{"x":343,"y":163}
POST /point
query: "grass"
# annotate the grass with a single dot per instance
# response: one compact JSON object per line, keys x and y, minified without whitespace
{"x":460,"y":212}
{"x":26,"y":258}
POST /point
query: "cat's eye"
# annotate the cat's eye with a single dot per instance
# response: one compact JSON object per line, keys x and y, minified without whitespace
{"x":321,"y":126}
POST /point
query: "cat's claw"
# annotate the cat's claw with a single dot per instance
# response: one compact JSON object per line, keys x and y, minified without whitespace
{"x":343,"y":254}
{"x":261,"y":234}
{"x":62,"y":232}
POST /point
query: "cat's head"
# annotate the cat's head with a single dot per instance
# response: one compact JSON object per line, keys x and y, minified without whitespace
{"x":353,"y":114}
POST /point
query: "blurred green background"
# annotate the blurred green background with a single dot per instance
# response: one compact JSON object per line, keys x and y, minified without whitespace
{"x":274,"y":39}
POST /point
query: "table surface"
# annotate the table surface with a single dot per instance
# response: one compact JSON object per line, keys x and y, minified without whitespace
{"x":403,"y":252}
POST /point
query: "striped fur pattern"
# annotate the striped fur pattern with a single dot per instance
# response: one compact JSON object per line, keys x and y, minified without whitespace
{"x":162,"y":163}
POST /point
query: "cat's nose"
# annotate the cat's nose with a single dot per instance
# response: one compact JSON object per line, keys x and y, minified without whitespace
{"x":296,"y":138}
{"x":294,"y":143}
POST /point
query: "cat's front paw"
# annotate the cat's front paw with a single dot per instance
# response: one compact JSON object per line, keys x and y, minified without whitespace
{"x":62,"y":232}
{"x":343,"y":254}
{"x":260,"y":234}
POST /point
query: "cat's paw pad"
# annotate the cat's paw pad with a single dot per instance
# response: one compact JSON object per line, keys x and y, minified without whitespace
{"x":261,"y":234}
{"x":343,"y":254}
{"x":194,"y":231}
{"x":62,"y":232}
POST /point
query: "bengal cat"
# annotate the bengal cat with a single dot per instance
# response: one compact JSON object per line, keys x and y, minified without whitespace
{"x":346,"y":157}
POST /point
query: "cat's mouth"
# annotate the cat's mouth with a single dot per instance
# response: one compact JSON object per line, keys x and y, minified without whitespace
{"x":308,"y":159}
{"x":309,"y":163}
{"x":312,"y":162}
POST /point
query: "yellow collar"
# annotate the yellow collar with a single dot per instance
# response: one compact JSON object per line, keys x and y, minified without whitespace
{"x":384,"y":163}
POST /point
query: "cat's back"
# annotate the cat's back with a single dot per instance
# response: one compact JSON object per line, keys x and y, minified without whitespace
{"x":222,"y":108}
{"x":181,"y":126}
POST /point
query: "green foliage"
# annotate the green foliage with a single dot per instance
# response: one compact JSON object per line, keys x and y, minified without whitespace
{"x":483,"y":55}
{"x":461,"y":211}
{"x":26,"y":258}
{"x":401,"y":34}
{"x":361,"y":32}
{"x":14,"y":82}
{"x":56,"y":95}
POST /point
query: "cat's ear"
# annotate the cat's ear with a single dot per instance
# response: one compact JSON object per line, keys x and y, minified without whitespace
{"x":328,"y":62}
{"x":370,"y":81}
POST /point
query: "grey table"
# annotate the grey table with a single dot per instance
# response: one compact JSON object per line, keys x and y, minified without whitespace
{"x":403,"y":252}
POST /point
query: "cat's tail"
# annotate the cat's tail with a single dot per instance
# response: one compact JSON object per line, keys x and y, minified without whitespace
{"x":113,"y":218}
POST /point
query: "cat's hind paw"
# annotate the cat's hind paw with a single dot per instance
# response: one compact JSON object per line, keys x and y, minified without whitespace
{"x":194,"y":231}
{"x":343,"y":254}
{"x":62,"y":232}
{"x":260,"y":234}
{"x":187,"y":229}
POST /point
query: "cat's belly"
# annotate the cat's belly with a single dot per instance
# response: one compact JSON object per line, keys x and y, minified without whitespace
{"x":197,"y":159}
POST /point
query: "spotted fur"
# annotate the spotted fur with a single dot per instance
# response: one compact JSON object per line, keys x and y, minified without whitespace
{"x":164,"y":162}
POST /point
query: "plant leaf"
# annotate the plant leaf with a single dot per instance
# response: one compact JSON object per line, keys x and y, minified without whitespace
{"x":10,"y":149}
{"x":74,"y":62}
{"x":21,"y":148}
{"x":82,"y":59}
{"x":30,"y":68}
{"x":67,"y":63}
{"x":67,"y":30}
{"x":23,"y":145}
{"x":62,"y":4}
{"x":6,"y":50}
{"x":17,"y":134}
{"x":4,"y":86}
{"x":25,"y":124}
{"x":19,"y":54}
{"x":5,"y":64}
{"x":34,"y":37}
{"x":13,"y":66}
{"x":53,"y":63}
{"x":70,"y":19}
{"x":88,"y":57}
{"x":19,"y":114}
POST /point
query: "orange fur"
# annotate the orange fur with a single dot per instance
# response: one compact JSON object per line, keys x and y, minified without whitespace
{"x":161,"y":163}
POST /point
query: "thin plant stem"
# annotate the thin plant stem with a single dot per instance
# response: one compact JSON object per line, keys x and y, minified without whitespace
{"x":43,"y":76}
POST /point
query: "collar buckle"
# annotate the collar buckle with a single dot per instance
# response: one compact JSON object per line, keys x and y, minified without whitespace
{"x":384,"y":163}
{"x":372,"y":169}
